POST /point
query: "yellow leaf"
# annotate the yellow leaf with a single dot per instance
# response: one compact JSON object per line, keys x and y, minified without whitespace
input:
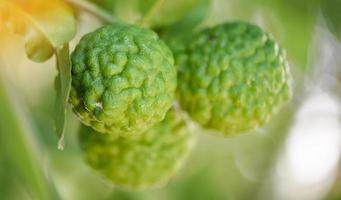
{"x":44,"y":25}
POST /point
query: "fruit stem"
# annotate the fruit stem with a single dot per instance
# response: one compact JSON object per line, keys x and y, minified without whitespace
{"x":144,"y":22}
{"x":93,"y":9}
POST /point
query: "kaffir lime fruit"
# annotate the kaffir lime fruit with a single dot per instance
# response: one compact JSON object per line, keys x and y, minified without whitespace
{"x":146,"y":160}
{"x":123,"y":79}
{"x":232,"y":78}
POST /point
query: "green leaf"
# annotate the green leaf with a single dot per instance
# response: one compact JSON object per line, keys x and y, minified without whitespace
{"x":294,"y":22}
{"x":332,"y":12}
{"x":127,"y":11}
{"x":19,"y":149}
{"x":152,"y":13}
{"x":165,"y":12}
{"x":176,"y":34}
{"x":63,"y":85}
{"x":105,"y":4}
{"x":44,"y":25}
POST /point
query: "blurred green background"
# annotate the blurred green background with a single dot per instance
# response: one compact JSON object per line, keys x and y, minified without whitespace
{"x":296,"y":156}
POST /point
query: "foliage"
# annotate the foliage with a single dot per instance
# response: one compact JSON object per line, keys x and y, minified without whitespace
{"x":30,"y":165}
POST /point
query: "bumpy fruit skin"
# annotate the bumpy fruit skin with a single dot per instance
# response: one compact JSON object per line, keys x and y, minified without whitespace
{"x":146,"y":160}
{"x":123,"y":79}
{"x":232,"y":78}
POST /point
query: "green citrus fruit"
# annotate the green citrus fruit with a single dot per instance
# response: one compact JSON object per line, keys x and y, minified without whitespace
{"x":232,"y":78}
{"x":146,"y":160}
{"x":123,"y":79}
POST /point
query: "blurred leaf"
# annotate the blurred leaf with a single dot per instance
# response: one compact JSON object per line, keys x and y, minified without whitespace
{"x":98,"y":9}
{"x":295,"y":23}
{"x":199,"y":186}
{"x":166,"y":12}
{"x":43,"y":24}
{"x":125,"y":195}
{"x":63,"y":85}
{"x":127,"y":10}
{"x":18,"y":148}
{"x":153,"y":13}
{"x":179,"y":32}
{"x":332,"y":12}
{"x":105,"y":4}
{"x":335,"y":192}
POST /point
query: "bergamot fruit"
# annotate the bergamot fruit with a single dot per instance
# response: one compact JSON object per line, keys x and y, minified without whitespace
{"x":145,"y":160}
{"x":123,"y":79}
{"x":232,"y":78}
